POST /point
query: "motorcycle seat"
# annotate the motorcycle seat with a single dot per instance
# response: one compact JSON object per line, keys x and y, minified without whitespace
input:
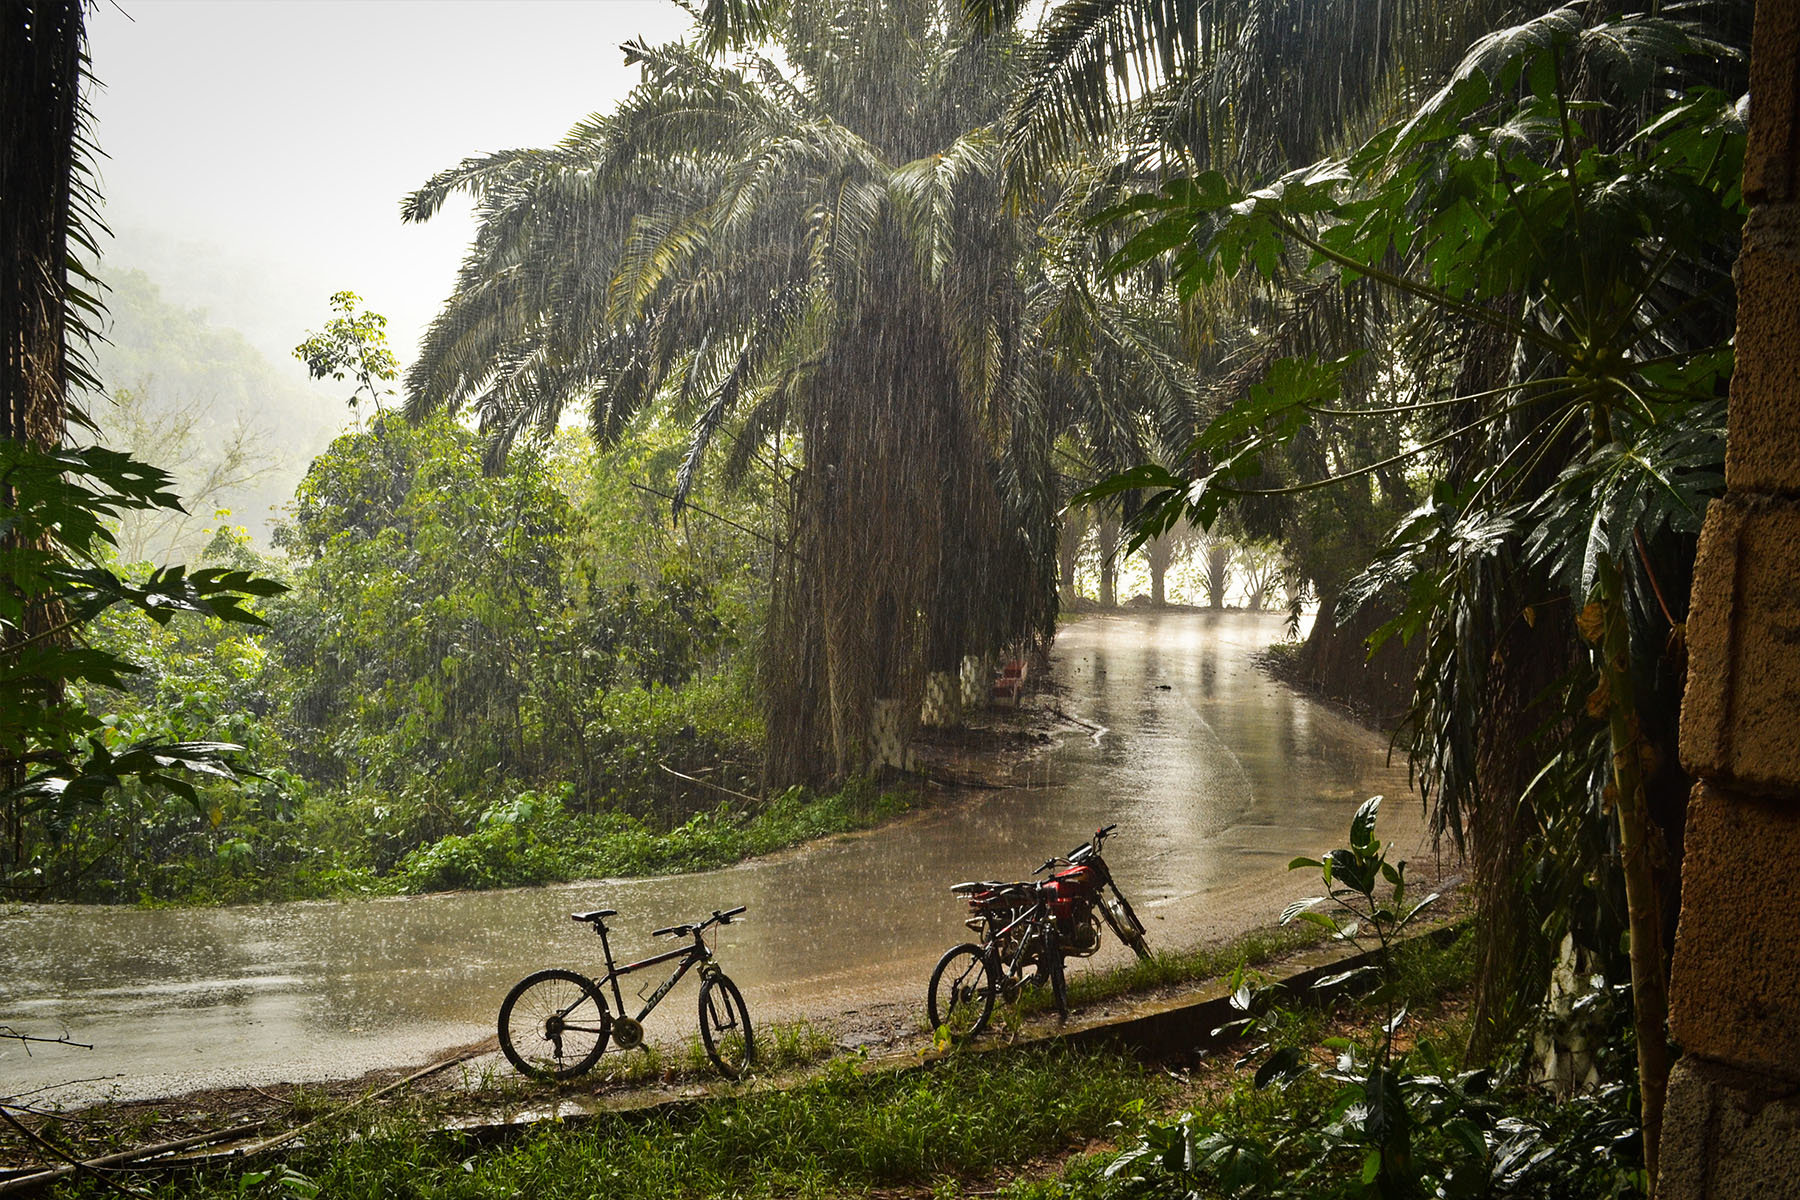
{"x":987,"y":885}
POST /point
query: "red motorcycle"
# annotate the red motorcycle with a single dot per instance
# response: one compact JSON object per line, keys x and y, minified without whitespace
{"x":1027,"y":930}
{"x":1082,"y":887}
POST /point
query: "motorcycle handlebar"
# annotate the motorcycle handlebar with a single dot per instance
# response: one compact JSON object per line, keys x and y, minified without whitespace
{"x":1080,"y":852}
{"x":1091,"y":847}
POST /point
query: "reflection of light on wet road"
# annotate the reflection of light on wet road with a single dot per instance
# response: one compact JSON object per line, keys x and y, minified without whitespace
{"x":1216,"y":781}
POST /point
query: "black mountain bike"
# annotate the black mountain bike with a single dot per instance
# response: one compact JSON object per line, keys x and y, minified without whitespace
{"x":1019,"y":934}
{"x":554,"y":1024}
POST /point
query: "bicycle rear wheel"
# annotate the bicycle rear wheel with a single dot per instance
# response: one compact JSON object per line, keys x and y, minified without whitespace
{"x":725,"y":1027}
{"x":960,"y":997}
{"x":554,"y":1024}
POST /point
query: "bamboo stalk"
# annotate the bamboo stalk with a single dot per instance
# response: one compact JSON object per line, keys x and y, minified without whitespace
{"x":1649,"y":983}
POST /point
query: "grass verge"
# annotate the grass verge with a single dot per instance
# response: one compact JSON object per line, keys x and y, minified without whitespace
{"x":783,"y":1046}
{"x":970,"y":1117}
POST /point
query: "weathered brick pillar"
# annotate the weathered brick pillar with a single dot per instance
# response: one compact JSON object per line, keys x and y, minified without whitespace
{"x":1732,"y":1128}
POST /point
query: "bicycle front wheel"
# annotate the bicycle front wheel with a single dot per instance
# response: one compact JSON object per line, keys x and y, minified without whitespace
{"x":554,"y":1024}
{"x":960,"y":997}
{"x":725,"y":1028}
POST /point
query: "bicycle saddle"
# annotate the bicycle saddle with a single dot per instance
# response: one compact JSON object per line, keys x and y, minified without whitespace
{"x":597,"y":915}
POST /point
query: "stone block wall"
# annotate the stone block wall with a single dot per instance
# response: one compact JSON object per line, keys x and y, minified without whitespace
{"x":1732,"y":1127}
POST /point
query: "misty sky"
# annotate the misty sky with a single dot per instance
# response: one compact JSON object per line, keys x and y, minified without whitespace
{"x":257,"y":150}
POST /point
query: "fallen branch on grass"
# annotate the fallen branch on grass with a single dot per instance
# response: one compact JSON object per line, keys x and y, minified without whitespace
{"x":138,"y":1156}
{"x":282,"y":1139}
{"x":55,"y":1151}
{"x":51,"y":1174}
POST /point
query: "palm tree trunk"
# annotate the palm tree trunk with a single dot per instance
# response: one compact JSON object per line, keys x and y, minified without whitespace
{"x":40,"y":85}
{"x":1109,"y":562}
{"x":1158,"y":553}
{"x":1218,"y":573}
{"x":40,"y":79}
{"x":1068,"y":550}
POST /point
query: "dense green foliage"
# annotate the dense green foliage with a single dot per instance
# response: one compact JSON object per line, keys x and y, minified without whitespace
{"x":1396,"y":1114}
{"x":1315,"y":1121}
{"x":476,"y":680}
{"x":1551,"y":235}
{"x":60,"y":759}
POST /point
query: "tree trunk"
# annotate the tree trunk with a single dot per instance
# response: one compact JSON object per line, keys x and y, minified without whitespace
{"x":1649,"y":965}
{"x":40,"y":84}
{"x":1159,"y":552}
{"x":1068,"y":550}
{"x":1109,"y":562}
{"x":1218,"y":573}
{"x":40,"y":78}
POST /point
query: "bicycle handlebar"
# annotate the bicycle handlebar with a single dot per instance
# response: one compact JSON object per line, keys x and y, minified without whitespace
{"x":717,"y":918}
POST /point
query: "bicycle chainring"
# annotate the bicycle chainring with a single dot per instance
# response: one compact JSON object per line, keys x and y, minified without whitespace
{"x":627,"y":1034}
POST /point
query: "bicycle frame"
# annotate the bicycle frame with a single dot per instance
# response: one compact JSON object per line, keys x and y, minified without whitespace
{"x":1035,"y":920}
{"x":698,"y":952}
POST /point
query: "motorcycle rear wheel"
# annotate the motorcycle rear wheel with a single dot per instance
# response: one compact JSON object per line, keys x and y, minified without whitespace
{"x":1122,"y":921}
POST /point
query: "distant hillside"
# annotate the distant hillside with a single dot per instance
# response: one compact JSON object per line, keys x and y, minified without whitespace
{"x":198,"y":399}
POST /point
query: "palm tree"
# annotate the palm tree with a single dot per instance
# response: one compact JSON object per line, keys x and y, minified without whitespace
{"x":43,"y":172}
{"x":806,"y":255}
{"x":1247,"y":87}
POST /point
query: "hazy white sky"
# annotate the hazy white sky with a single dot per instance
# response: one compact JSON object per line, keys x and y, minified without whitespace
{"x":257,"y":150}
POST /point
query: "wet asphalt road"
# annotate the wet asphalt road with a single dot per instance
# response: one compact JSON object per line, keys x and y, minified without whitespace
{"x":1216,"y":776}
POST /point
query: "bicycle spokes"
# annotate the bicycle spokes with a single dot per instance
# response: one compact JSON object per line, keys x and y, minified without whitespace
{"x":725,"y":1027}
{"x":553,"y":1024}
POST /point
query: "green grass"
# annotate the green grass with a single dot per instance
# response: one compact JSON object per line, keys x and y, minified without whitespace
{"x":1171,"y":968}
{"x":730,"y":834}
{"x":783,"y":1046}
{"x":968,"y":1117}
{"x":1167,"y":968}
